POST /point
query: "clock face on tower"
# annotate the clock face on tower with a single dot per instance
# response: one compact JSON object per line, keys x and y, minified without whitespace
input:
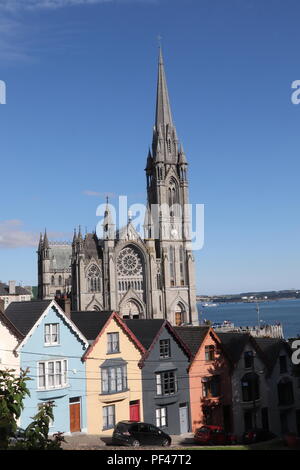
{"x":174,"y":233}
{"x":129,"y":263}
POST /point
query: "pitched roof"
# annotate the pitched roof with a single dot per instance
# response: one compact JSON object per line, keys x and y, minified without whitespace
{"x":271,"y":348}
{"x":234,"y":344}
{"x":60,"y":254}
{"x":4,"y":290}
{"x":23,"y":315}
{"x":90,"y":323}
{"x":192,"y":336}
{"x":145,"y":330}
{"x":11,"y":327}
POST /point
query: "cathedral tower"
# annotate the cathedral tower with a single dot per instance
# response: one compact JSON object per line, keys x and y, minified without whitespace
{"x":168,"y":213}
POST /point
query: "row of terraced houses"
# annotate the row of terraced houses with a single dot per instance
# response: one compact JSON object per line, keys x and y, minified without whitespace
{"x":99,"y":369}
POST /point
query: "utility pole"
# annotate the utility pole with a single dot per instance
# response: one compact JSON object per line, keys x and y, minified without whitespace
{"x":258,"y":314}
{"x":253,"y":382}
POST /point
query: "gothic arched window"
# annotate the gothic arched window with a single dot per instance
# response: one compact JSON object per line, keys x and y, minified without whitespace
{"x":182,"y":266}
{"x":172,"y":264}
{"x":173,"y":198}
{"x":180,"y":314}
{"x":94,"y":279}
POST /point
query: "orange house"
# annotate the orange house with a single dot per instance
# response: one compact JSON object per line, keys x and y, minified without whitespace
{"x":209,"y":378}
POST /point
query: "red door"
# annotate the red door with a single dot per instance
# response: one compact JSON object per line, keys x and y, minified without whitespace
{"x":134,"y":410}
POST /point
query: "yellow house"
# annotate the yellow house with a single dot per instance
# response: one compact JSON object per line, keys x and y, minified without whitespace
{"x":113,"y":377}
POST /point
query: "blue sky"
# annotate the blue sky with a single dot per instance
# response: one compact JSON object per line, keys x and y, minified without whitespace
{"x":81,"y":82}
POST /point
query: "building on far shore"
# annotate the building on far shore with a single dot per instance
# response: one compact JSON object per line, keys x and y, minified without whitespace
{"x":12,"y":293}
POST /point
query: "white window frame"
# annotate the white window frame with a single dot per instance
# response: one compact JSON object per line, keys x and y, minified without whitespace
{"x":163,"y":381}
{"x":161,"y":417}
{"x":52,"y":374}
{"x":50,"y":334}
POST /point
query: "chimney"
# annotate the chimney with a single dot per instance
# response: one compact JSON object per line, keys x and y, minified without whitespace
{"x":12,"y":287}
{"x":65,"y":303}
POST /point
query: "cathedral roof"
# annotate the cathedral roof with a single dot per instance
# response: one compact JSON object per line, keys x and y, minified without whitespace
{"x":61,"y":254}
{"x":91,"y":246}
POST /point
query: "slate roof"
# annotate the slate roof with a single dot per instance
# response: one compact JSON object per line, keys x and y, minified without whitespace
{"x":234,"y":344}
{"x":145,"y":330}
{"x":271,"y":348}
{"x":91,"y":249}
{"x":11,"y":327}
{"x":60,"y":256}
{"x":23,"y":315}
{"x":192,"y":336}
{"x":4,"y":290}
{"x":90,"y":323}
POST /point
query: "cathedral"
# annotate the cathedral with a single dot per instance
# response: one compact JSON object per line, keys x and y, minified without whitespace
{"x":139,"y":277}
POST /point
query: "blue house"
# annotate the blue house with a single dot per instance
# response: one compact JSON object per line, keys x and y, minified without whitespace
{"x":51,"y":348}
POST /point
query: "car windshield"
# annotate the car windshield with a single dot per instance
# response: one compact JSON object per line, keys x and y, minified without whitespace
{"x":203,"y":429}
{"x":123,"y":427}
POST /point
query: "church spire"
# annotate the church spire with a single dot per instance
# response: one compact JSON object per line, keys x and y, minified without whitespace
{"x":46,"y":242}
{"x":165,"y":141}
{"x":163,"y":114}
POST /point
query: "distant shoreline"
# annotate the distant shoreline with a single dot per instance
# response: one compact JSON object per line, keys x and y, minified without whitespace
{"x":240,"y":301}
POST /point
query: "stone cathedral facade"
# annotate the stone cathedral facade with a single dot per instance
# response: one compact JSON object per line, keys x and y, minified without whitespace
{"x":149,"y":277}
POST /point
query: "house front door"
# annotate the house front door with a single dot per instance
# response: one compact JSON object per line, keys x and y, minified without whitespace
{"x":183,"y":418}
{"x":134,"y":410}
{"x":75,"y":424}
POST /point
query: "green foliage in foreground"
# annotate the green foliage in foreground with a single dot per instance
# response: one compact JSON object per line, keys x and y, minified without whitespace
{"x":13,"y":390}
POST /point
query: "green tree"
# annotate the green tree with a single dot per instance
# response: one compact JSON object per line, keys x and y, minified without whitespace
{"x":36,"y":434}
{"x":13,"y":390}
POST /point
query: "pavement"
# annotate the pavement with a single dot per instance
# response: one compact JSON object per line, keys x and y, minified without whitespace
{"x":78,"y":441}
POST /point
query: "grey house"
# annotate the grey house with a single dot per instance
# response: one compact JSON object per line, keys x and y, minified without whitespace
{"x":283,"y":385}
{"x":249,"y":382}
{"x":166,"y":395}
{"x":264,"y":388}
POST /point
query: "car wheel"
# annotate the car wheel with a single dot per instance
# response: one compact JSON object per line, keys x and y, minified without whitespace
{"x":166,"y":443}
{"x":135,"y":443}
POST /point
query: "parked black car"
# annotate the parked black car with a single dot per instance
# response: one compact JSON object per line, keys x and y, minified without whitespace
{"x":136,"y":433}
{"x":257,"y":435}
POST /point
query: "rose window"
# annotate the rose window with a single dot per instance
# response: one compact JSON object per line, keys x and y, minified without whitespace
{"x":129,"y":263}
